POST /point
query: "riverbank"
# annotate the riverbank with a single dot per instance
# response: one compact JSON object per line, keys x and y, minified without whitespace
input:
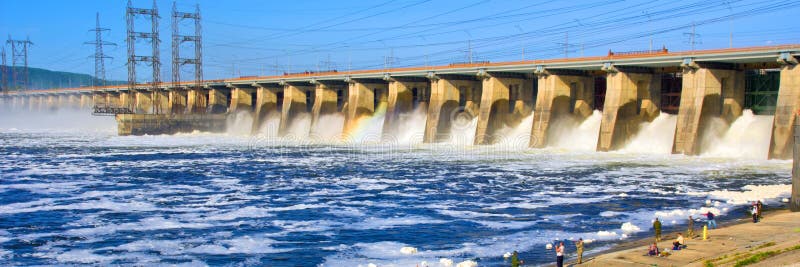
{"x":775,"y":241}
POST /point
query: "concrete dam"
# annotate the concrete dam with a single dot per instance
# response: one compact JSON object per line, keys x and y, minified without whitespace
{"x":702,"y":91}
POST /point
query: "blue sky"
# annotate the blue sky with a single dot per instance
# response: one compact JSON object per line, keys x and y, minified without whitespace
{"x":249,"y":37}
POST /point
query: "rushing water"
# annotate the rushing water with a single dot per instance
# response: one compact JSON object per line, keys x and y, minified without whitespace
{"x":81,"y":195}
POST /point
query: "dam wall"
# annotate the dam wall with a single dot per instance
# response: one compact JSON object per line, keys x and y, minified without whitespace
{"x":480,"y":101}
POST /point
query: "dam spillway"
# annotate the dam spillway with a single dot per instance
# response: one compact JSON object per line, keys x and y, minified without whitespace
{"x":610,"y":97}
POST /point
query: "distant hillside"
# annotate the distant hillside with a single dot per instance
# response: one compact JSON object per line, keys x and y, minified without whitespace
{"x":48,"y":79}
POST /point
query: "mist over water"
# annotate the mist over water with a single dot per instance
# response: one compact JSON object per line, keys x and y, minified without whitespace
{"x":571,"y":134}
{"x":328,"y":129}
{"x":747,"y":137}
{"x":654,"y":137}
{"x":411,"y":127}
{"x":517,"y":137}
{"x":69,"y":197}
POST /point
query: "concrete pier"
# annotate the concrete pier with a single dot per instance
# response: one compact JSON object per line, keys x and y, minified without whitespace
{"x":178,"y":101}
{"x":364,"y":97}
{"x":86,"y":101}
{"x":454,"y":98}
{"x":113,"y":99}
{"x":144,"y":102}
{"x":268,"y":103}
{"x":709,"y":91}
{"x":217,"y":101}
{"x":297,"y":101}
{"x":100,"y":99}
{"x":126,"y":99}
{"x":242,"y":98}
{"x":141,"y":124}
{"x":786,"y":112}
{"x":330,"y":97}
{"x":196,"y":100}
{"x":506,"y":99}
{"x":561,"y":93}
{"x":631,"y":97}
{"x":405,"y":95}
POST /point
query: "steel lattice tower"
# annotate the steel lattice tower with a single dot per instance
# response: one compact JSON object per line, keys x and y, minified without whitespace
{"x":3,"y":71}
{"x":99,"y":56}
{"x":178,"y":39}
{"x":19,"y":54}
{"x":153,"y":59}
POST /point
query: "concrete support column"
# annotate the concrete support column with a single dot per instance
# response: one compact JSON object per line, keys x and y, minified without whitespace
{"x":560,"y":94}
{"x":178,"y":101}
{"x":126,"y":100}
{"x":785,"y":113}
{"x":51,"y":102}
{"x":114,"y":99}
{"x":296,"y":99}
{"x":74,"y":101}
{"x":364,"y":99}
{"x":161,"y":102}
{"x":446,"y":106}
{"x":625,"y":107}
{"x":197,"y":101}
{"x":86,"y":101}
{"x":144,"y":102}
{"x":404,"y":96}
{"x":503,"y":104}
{"x":241,"y":100}
{"x":100,"y":99}
{"x":326,"y":100}
{"x":266,"y":105}
{"x":217,"y":101}
{"x":63,"y":102}
{"x":35,"y":102}
{"x":706,"y":94}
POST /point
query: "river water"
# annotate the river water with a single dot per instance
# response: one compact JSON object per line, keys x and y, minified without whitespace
{"x":72,"y":192}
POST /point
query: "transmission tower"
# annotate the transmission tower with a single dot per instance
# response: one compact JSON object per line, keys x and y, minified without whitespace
{"x":178,"y":39}
{"x":19,"y":54}
{"x":153,"y":59}
{"x":99,"y":56}
{"x":3,"y":71}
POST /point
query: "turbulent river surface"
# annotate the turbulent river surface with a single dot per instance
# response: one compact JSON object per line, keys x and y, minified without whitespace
{"x":72,"y":192}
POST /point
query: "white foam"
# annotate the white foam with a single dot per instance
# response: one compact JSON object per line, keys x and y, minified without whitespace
{"x":246,"y":212}
{"x":751,"y":193}
{"x":408,"y":250}
{"x":374,"y":223}
{"x":630,"y":228}
{"x":240,"y":245}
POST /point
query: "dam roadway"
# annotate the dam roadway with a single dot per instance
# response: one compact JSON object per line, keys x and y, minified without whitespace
{"x":628,"y":87}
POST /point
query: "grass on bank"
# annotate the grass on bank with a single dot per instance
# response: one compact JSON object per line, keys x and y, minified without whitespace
{"x":762,"y":256}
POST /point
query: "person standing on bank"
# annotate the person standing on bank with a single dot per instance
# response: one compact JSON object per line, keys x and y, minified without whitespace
{"x":712,"y":223}
{"x":515,"y":262}
{"x":579,"y":246}
{"x":754,"y":211}
{"x":657,"y":228}
{"x":760,"y":208}
{"x":560,"y":255}
{"x":690,"y":231}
